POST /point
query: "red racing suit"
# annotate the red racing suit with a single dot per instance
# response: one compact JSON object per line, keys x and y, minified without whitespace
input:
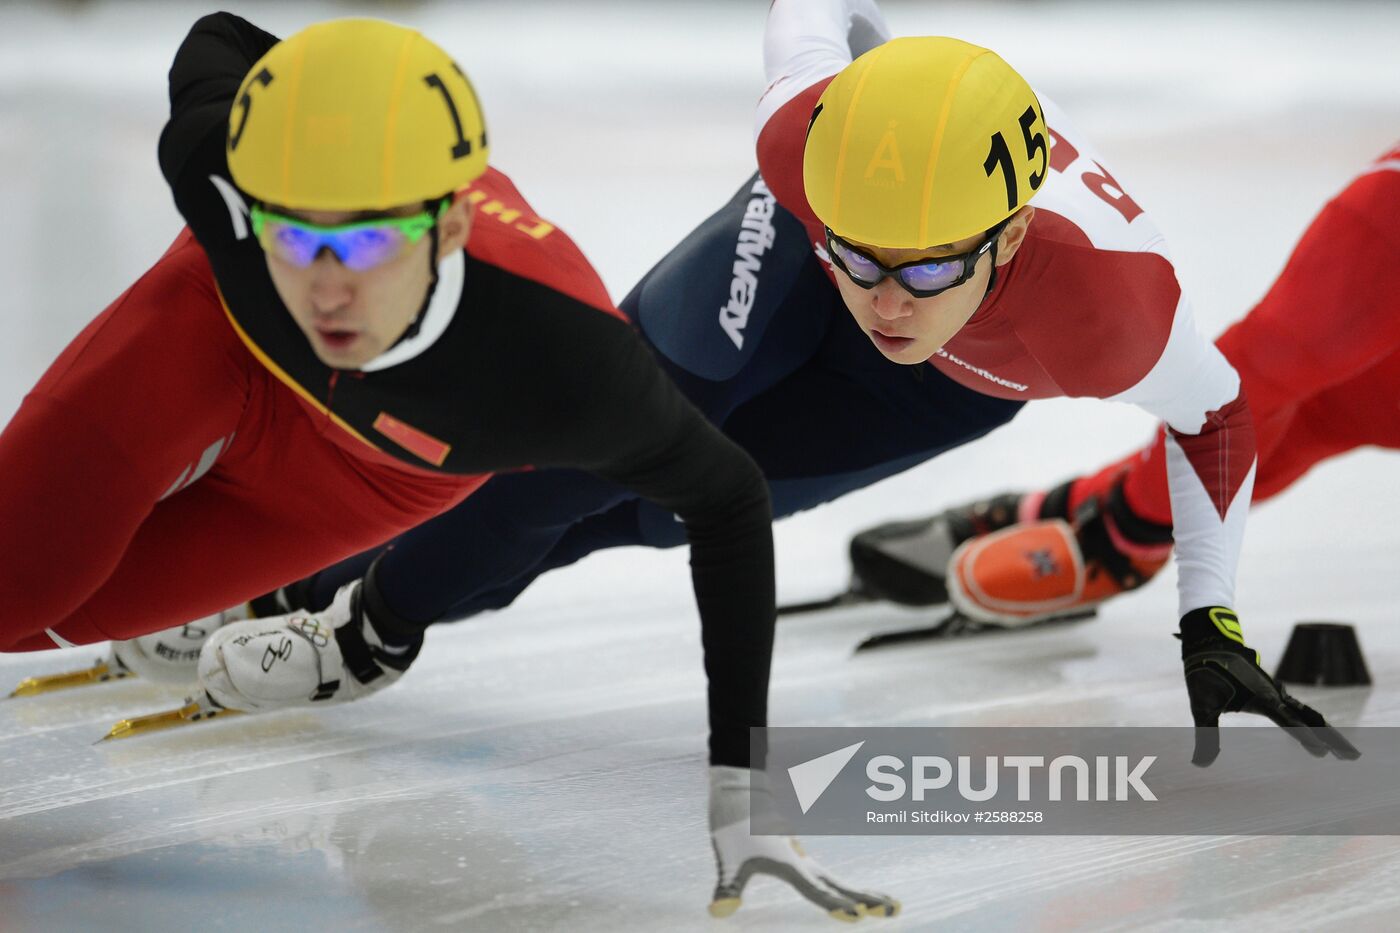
{"x":1319,"y":355}
{"x":158,"y":472}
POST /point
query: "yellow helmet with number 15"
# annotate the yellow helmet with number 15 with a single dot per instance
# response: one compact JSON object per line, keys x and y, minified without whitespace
{"x":355,"y":114}
{"x":921,"y":142}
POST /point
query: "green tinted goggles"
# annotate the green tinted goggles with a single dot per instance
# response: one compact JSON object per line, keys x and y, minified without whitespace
{"x":359,"y":246}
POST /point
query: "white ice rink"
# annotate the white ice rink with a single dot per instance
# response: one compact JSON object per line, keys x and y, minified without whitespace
{"x":543,"y":768}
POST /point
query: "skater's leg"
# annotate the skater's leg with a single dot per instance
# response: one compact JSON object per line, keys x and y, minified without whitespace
{"x":142,"y":403}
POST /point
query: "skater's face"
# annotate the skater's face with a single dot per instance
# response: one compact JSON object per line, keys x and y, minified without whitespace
{"x":907,"y":329}
{"x":350,"y":316}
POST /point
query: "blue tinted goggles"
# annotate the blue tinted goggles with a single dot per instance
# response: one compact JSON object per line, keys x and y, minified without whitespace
{"x":922,"y":278}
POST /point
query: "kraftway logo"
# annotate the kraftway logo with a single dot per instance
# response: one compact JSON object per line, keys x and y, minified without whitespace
{"x":811,"y":778}
{"x":756,"y":237}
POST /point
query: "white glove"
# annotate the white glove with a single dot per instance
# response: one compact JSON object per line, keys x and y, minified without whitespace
{"x":739,"y":855}
{"x":301,"y":658}
{"x":171,"y":656}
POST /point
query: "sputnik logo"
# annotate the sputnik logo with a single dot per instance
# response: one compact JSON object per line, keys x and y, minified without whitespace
{"x":811,"y":778}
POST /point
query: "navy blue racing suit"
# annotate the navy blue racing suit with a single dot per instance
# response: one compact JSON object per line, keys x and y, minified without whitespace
{"x":743,"y":317}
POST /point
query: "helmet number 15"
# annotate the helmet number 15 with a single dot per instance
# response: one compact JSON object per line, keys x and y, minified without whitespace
{"x":1000,"y":156}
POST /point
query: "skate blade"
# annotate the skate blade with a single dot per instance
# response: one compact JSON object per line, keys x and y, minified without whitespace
{"x":193,"y":711}
{"x":99,"y":673}
{"x":956,"y":625}
{"x":852,"y":597}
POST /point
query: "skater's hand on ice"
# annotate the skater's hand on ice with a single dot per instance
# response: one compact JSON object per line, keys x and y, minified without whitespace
{"x":740,"y":855}
{"x":1223,"y":676}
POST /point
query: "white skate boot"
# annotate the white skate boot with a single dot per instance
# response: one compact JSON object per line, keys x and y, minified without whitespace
{"x":301,"y":658}
{"x":171,"y":656}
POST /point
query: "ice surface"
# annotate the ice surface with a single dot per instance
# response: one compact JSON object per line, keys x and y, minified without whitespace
{"x":543,"y":768}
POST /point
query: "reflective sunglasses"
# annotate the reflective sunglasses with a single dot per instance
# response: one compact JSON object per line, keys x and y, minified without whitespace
{"x":358,"y":246}
{"x":922,"y":278}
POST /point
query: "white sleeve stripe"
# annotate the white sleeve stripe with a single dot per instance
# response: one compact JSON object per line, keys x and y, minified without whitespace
{"x":59,"y":639}
{"x":807,"y":41}
{"x":1190,"y":379}
{"x":781,"y":93}
{"x":1207,"y":548}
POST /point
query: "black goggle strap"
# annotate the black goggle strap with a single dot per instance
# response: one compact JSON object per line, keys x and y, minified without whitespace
{"x":437,"y":210}
{"x":995,"y":233}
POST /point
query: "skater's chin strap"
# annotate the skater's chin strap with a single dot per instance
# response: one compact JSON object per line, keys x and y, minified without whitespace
{"x":440,"y":306}
{"x":992,"y":278}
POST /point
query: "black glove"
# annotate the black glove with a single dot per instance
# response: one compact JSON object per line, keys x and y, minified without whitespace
{"x":1223,"y":676}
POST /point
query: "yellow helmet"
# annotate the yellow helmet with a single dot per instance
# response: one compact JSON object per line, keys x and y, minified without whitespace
{"x":355,"y":114}
{"x":923,"y":141}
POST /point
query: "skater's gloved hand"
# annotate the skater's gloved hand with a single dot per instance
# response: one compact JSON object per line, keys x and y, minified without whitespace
{"x":740,"y":855}
{"x":1223,"y":676}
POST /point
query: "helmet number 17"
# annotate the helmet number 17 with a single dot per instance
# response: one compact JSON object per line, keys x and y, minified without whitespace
{"x":263,"y":78}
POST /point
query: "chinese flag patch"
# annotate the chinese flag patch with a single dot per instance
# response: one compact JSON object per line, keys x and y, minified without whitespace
{"x":416,"y":442}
